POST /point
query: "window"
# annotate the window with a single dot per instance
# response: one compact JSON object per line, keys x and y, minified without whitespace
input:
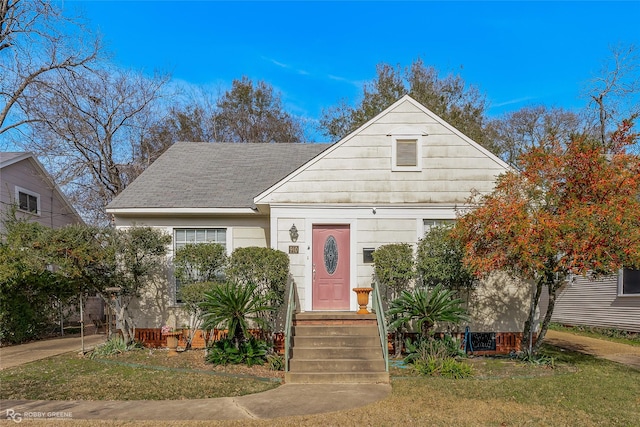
{"x":430,"y":223}
{"x":629,"y":282}
{"x":28,"y":201}
{"x":184,"y":236}
{"x":407,"y":154}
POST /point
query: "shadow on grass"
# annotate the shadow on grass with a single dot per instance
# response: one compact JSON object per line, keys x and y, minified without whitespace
{"x":574,"y":356}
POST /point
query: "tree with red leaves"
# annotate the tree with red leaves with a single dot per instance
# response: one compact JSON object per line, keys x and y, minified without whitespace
{"x":573,"y":209}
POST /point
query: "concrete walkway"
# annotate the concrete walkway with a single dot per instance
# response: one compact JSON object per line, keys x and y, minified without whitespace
{"x":622,"y":353}
{"x":284,"y":401}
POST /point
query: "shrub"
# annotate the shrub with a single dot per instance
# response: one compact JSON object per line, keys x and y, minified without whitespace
{"x":225,"y":352}
{"x":447,"y":367}
{"x":426,"y":307}
{"x":441,"y":348}
{"x":439,"y":260}
{"x":115,"y":345}
{"x":275,"y":362}
{"x":200,"y":262}
{"x":394,"y":266}
{"x":232,"y":307}
{"x":437,"y":357}
{"x":266,"y":268}
{"x":537,"y":359}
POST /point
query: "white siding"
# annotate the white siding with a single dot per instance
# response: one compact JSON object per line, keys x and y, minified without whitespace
{"x":358,"y":170}
{"x":596,"y":303}
{"x":156,"y":305}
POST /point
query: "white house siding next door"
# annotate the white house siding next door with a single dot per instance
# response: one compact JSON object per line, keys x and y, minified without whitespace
{"x":331,"y":267}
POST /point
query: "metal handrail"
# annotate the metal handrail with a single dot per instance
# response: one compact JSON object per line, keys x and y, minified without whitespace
{"x":382,"y":325}
{"x":291,"y":306}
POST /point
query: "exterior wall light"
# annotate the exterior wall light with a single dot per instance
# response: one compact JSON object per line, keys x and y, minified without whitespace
{"x":293,"y":233}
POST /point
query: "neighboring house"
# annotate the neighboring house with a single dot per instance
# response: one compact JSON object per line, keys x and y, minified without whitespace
{"x":609,"y":302}
{"x":25,"y":184}
{"x":327,"y":206}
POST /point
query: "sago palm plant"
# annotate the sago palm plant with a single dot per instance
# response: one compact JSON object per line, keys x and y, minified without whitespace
{"x":234,"y":307}
{"x":426,"y":306}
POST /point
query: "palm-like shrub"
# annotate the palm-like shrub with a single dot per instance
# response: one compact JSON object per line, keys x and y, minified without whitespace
{"x":426,"y":306}
{"x":234,"y":307}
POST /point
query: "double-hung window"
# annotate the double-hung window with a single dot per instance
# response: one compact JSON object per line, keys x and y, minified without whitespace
{"x":28,"y":201}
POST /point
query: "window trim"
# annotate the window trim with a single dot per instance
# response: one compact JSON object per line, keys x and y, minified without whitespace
{"x":394,"y":152}
{"x":621,"y":292}
{"x":29,"y":193}
{"x":438,"y":222}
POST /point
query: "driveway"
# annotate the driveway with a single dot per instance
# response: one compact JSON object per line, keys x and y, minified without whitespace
{"x":622,"y":353}
{"x":16,"y":355}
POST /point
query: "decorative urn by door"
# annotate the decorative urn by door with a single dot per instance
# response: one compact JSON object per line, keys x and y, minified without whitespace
{"x":363,"y":299}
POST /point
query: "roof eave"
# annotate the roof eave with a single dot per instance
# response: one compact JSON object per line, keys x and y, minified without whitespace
{"x":181,"y":211}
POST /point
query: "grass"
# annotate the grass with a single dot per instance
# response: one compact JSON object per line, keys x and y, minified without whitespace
{"x":580,"y":391}
{"x":134,"y":375}
{"x":613,"y":335}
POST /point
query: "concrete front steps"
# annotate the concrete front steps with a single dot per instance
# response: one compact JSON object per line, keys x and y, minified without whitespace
{"x":336,"y":347}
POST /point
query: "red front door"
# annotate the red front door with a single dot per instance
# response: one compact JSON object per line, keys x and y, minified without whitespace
{"x":331,"y":267}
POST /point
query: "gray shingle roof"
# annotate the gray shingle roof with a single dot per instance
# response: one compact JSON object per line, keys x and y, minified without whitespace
{"x":213,"y":175}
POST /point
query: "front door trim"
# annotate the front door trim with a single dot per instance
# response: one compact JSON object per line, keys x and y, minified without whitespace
{"x":308,"y":281}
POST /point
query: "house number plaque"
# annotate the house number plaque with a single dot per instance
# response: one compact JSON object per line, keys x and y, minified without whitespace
{"x":294,"y":249}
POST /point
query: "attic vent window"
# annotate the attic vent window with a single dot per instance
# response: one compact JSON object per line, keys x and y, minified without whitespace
{"x":407,"y":153}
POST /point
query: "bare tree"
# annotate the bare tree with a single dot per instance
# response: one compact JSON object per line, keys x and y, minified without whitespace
{"x":36,"y":40}
{"x":191,"y":121}
{"x":530,"y":127}
{"x":615,"y":93}
{"x":89,"y":127}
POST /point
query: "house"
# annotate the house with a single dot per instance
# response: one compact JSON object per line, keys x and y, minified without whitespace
{"x":25,"y":184}
{"x":608,"y":302}
{"x":327,"y":206}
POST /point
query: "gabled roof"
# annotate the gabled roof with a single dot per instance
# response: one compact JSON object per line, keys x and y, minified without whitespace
{"x":8,"y":158}
{"x":406,"y":98}
{"x":203,"y":175}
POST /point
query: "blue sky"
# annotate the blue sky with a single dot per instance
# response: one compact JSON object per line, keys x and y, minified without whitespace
{"x":317,"y":53}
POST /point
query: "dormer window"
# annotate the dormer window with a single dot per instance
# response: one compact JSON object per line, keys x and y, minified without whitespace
{"x":406,"y":153}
